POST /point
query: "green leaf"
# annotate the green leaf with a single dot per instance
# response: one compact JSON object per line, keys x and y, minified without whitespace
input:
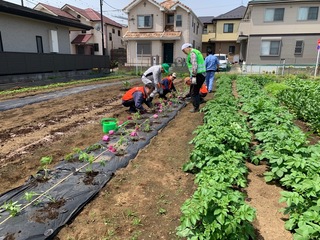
{"x":220,"y":219}
{"x":279,"y":173}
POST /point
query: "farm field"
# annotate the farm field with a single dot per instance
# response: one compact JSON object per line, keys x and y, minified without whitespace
{"x":143,"y":200}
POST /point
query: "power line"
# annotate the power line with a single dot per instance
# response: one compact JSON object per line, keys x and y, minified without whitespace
{"x":110,"y":5}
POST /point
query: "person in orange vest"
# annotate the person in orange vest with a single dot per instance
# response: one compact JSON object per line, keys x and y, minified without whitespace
{"x":136,"y":96}
{"x":203,"y":90}
{"x":167,"y":85}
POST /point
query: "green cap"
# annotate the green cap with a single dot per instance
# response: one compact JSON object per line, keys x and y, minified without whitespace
{"x":165,"y":67}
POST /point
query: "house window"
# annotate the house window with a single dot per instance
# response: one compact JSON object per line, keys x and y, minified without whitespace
{"x":110,"y":36}
{"x":143,"y":48}
{"x":119,"y":33}
{"x":179,"y":21}
{"x":205,"y":29}
{"x":96,"y":47}
{"x":170,"y":19}
{"x":39,"y":44}
{"x":298,"y":50}
{"x":232,"y":49}
{"x":113,"y":31}
{"x":83,"y":31}
{"x":54,"y":43}
{"x":145,"y":21}
{"x":1,"y":46}
{"x":228,"y":28}
{"x":270,"y":47}
{"x":197,"y":28}
{"x":274,"y":14}
{"x":308,"y":13}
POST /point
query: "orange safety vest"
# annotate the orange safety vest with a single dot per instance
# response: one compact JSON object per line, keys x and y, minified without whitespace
{"x":203,"y":89}
{"x":169,"y":81}
{"x":129,"y":94}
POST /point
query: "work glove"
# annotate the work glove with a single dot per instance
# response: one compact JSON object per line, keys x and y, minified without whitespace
{"x":161,"y":91}
{"x":193,"y":80}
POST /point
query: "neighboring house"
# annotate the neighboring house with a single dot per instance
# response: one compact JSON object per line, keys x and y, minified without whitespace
{"x":88,"y":42}
{"x":26,"y":30}
{"x":34,"y":42}
{"x":221,"y":33}
{"x":156,"y":32}
{"x":280,"y":32}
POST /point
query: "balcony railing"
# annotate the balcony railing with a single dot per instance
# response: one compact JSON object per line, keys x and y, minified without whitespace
{"x":208,"y":36}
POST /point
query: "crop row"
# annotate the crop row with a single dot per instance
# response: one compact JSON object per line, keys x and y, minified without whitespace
{"x":301,"y":96}
{"x":293,"y":162}
{"x":217,"y":209}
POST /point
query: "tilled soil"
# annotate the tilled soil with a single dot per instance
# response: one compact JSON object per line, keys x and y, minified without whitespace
{"x":141,"y":201}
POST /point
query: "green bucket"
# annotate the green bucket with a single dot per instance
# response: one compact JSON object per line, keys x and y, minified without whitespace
{"x":109,"y":124}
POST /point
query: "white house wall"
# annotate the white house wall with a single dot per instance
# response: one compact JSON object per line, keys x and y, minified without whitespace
{"x":149,"y":8}
{"x":19,"y":34}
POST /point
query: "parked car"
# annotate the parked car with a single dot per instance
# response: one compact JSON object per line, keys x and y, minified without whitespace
{"x":224,"y":63}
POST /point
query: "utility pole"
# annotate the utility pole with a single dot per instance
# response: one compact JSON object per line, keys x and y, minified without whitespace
{"x":22,"y":3}
{"x":102,"y":26}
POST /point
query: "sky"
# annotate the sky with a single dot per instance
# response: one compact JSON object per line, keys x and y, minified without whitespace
{"x":113,"y":8}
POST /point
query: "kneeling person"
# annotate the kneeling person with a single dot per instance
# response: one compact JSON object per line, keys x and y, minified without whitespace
{"x":136,"y":96}
{"x":167,"y":85}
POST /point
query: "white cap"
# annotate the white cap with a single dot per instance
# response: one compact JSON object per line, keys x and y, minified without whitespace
{"x":186,"y":45}
{"x":174,"y":75}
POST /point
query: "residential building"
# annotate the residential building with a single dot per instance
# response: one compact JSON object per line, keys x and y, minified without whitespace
{"x":221,"y":33}
{"x":279,"y":32}
{"x":156,"y":32}
{"x":88,"y":42}
{"x":34,"y":42}
{"x":26,"y":30}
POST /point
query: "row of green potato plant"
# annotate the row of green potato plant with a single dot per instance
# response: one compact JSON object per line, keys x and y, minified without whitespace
{"x":301,"y":96}
{"x":292,"y":162}
{"x":217,"y":209}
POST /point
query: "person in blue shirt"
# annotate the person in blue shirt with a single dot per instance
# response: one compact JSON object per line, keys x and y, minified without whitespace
{"x":136,"y":96}
{"x":167,"y":85}
{"x":212,"y":66}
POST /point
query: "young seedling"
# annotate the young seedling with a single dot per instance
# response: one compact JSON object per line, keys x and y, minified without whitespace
{"x":45,"y":161}
{"x":136,"y":221}
{"x":146,"y":127}
{"x":30,"y":195}
{"x":12,"y":207}
{"x":162,"y":211}
{"x":126,"y":84}
{"x":90,"y":160}
{"x":85,"y":157}
{"x":136,"y":117}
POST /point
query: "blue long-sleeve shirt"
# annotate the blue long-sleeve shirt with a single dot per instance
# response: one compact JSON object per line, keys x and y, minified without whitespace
{"x":138,"y":99}
{"x":211,"y":62}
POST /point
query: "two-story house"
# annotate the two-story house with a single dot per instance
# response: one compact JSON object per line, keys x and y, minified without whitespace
{"x":156,"y":32}
{"x":88,"y":42}
{"x":221,"y":33}
{"x":278,"y":32}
